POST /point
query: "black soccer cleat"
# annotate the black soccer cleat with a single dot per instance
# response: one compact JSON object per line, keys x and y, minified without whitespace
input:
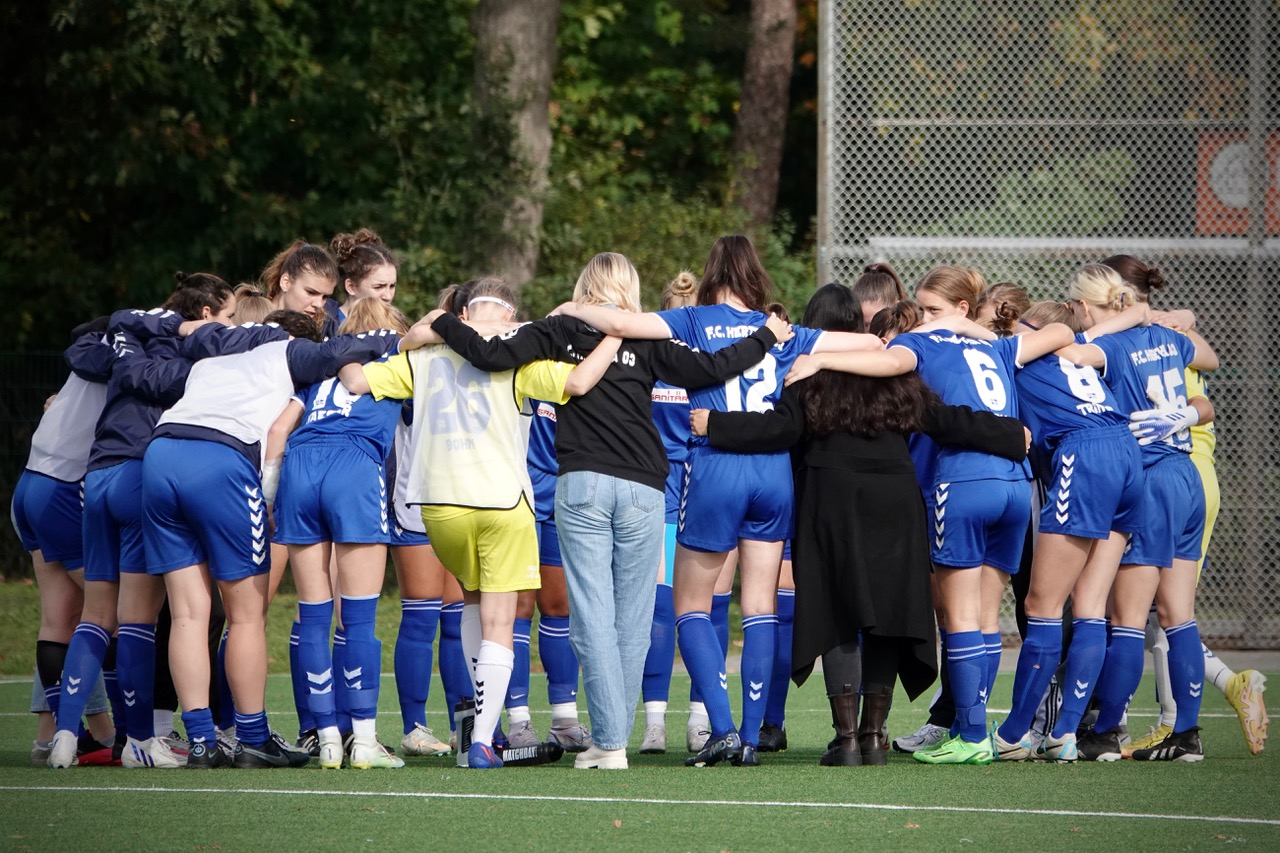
{"x":726,"y":748}
{"x":747,"y":757}
{"x":772,"y":738}
{"x":269,"y":754}
{"x":309,"y":742}
{"x":1100,"y":746}
{"x":205,"y":756}
{"x":1179,"y":746}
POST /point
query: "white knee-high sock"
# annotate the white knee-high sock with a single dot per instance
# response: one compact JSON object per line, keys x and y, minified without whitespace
{"x":470,"y":629}
{"x":493,"y":674}
{"x":1215,"y":670}
{"x":1158,"y":644}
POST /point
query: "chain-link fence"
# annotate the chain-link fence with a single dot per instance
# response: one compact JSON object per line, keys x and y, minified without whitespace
{"x":1027,"y":139}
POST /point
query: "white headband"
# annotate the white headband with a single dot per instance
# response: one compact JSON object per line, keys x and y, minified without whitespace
{"x":495,"y":300}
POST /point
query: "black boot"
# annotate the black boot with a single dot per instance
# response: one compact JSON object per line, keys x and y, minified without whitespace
{"x":844,"y":751}
{"x":871,"y":737}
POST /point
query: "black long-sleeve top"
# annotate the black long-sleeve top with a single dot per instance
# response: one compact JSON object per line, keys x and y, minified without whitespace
{"x":610,"y":429}
{"x":956,"y":426}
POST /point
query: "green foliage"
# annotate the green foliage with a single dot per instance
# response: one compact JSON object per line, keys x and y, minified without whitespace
{"x":157,"y":135}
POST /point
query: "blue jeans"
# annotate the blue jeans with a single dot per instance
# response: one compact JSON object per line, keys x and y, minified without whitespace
{"x":611,"y":540}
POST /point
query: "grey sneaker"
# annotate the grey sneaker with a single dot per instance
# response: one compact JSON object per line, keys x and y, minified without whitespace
{"x":522,"y":734}
{"x":655,"y":739}
{"x":40,"y":753}
{"x":570,"y":734}
{"x":696,"y":736}
{"x":924,"y":737}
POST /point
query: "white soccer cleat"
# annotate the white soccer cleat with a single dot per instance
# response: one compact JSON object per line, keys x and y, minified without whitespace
{"x":153,"y":752}
{"x":330,"y":749}
{"x":62,"y":750}
{"x":373,"y":756}
{"x":696,"y":736}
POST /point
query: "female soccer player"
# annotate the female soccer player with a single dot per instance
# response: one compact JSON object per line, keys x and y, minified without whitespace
{"x":1144,"y":366}
{"x":981,"y":503}
{"x":469,"y":475}
{"x":1243,"y":690}
{"x":301,"y":278}
{"x":205,"y":505}
{"x":877,"y":287}
{"x":609,"y":494}
{"x":729,"y":501}
{"x":1090,"y":511}
{"x":48,"y":515}
{"x":118,"y":591}
{"x":332,"y":502}
{"x":862,"y":562}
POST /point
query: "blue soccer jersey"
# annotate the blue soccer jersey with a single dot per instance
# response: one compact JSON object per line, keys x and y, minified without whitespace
{"x":713,"y":327}
{"x":542,"y":438}
{"x":978,"y":374}
{"x":1145,"y":369}
{"x":330,"y":410}
{"x":1055,"y":397}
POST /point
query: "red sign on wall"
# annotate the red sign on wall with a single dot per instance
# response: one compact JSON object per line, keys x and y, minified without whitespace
{"x":1222,"y":186}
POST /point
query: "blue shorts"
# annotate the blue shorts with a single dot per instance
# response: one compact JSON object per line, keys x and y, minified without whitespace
{"x":673,"y":491}
{"x":732,"y":496}
{"x":1096,"y":485}
{"x":786,"y":551}
{"x":549,"y":544}
{"x":113,"y":522}
{"x":47,"y":515}
{"x":544,"y":495}
{"x":980,"y":523}
{"x":1172,"y":515}
{"x":331,"y":491}
{"x":202,"y":503}
{"x":401,"y":538}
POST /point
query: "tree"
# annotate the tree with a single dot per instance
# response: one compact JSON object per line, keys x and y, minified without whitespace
{"x":761,"y":130}
{"x":515,"y":55}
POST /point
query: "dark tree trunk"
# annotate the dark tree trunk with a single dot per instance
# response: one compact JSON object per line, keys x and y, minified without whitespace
{"x":762,"y":119}
{"x":514,"y":59}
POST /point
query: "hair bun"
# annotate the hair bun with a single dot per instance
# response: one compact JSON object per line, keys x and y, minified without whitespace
{"x":345,"y":244}
{"x":180,"y":278}
{"x":684,"y":284}
{"x":1155,"y":281}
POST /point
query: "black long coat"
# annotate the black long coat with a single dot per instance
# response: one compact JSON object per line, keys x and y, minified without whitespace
{"x":860,"y":553}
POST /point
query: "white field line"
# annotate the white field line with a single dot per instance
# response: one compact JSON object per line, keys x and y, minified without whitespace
{"x":425,"y":795}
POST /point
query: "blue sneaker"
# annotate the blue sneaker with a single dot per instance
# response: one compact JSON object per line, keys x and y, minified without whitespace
{"x":482,"y":757}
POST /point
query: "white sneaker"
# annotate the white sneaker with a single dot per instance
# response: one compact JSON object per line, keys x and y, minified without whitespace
{"x":926,"y":736}
{"x":596,"y":758}
{"x":423,"y":741}
{"x":372,"y":756}
{"x":696,"y":736}
{"x":330,"y":751}
{"x":1020,"y":750}
{"x":62,"y":750}
{"x":152,"y":752}
{"x":655,"y":739}
{"x":1062,"y":750}
{"x":522,"y":734}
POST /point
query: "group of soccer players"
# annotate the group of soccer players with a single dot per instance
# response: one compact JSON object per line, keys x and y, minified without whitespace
{"x":186,"y":462}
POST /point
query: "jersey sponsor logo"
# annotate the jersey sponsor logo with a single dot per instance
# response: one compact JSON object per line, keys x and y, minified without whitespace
{"x":546,"y":410}
{"x":1154,"y":353}
{"x":723,"y":332}
{"x":670,"y":395}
